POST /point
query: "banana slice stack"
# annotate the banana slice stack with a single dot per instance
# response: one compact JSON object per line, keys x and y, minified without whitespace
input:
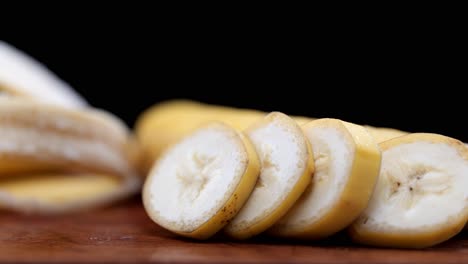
{"x":316,"y":177}
{"x":56,"y":153}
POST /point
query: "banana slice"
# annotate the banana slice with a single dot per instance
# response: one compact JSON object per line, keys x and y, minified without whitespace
{"x":53,"y":146}
{"x":21,"y":75}
{"x":420,"y":198}
{"x":287,"y":166}
{"x":347,"y":162}
{"x":199,"y":184}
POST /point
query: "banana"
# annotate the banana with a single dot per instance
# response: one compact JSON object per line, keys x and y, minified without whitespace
{"x":285,"y":173}
{"x":381,"y":134}
{"x":182,"y":117}
{"x":54,"y":159}
{"x":347,"y":162}
{"x":430,"y":210}
{"x":199,"y":184}
{"x":420,"y":197}
{"x":165,"y":123}
{"x":21,"y":75}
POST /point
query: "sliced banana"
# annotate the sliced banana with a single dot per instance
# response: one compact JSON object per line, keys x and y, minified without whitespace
{"x":199,"y":184}
{"x":21,"y":75}
{"x":421,"y":196}
{"x":44,"y":147}
{"x":347,"y":162}
{"x":286,"y":170}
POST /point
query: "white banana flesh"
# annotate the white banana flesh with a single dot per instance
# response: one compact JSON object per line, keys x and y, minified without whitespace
{"x":200,"y":183}
{"x":421,"y":196}
{"x":286,"y":170}
{"x":21,"y":75}
{"x":346,"y":168}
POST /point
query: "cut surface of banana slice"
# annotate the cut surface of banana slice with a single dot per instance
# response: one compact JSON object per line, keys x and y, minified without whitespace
{"x":421,"y":195}
{"x":286,"y":170}
{"x":199,"y":184}
{"x":44,"y":147}
{"x":347,"y":162}
{"x":21,"y":75}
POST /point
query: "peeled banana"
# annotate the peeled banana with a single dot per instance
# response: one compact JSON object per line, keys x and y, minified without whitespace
{"x":381,"y":134}
{"x":54,"y":159}
{"x":171,"y":120}
{"x":21,"y":75}
{"x":167,"y":122}
{"x":199,"y":184}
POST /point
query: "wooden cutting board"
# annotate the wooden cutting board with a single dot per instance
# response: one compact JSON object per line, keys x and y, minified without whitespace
{"x":123,"y":233}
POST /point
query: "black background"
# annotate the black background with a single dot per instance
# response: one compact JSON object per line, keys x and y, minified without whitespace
{"x":407,"y":81}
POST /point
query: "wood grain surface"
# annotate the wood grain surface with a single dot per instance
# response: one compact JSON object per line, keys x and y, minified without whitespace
{"x":123,"y":233}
